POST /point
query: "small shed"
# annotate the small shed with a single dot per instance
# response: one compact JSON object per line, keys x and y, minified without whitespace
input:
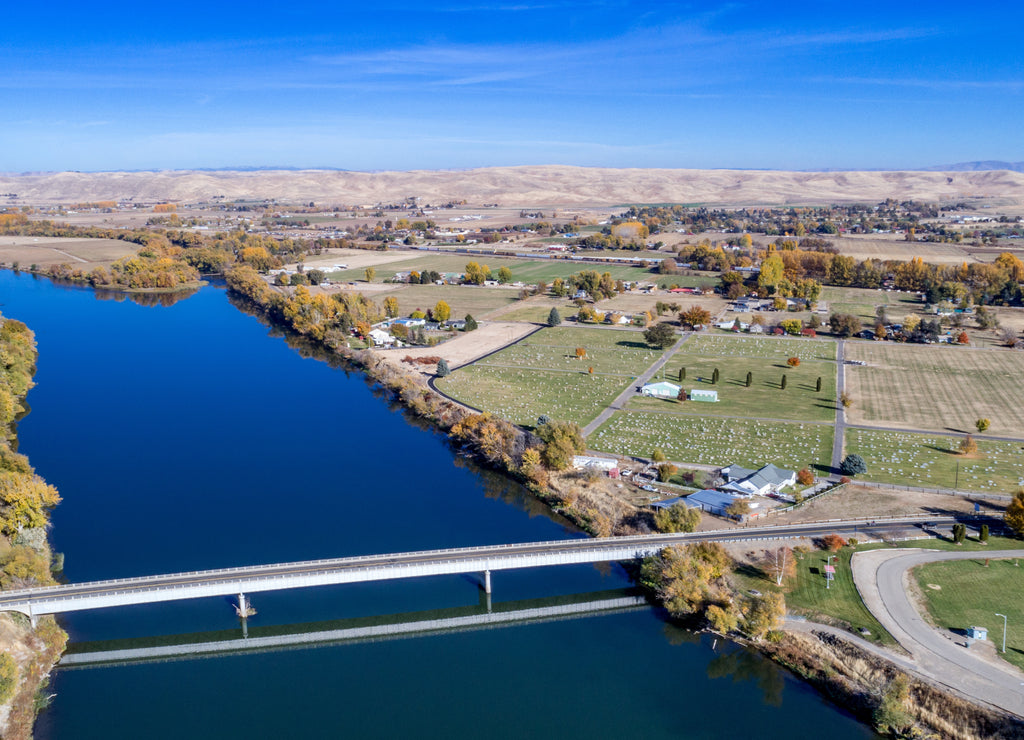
{"x":704,"y":396}
{"x":977,"y":633}
{"x":662,"y":389}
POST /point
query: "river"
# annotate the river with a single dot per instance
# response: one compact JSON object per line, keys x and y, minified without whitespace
{"x":191,"y":436}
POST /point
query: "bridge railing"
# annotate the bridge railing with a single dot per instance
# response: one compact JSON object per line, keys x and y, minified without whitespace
{"x":553,"y":547}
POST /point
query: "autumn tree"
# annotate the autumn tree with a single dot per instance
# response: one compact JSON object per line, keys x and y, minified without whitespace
{"x":689,"y":578}
{"x":968,"y":446}
{"x":805,"y":477}
{"x":695,"y":316}
{"x":504,"y":275}
{"x":962,"y":338}
{"x":738,"y":508}
{"x":763,"y":614}
{"x":442,"y":311}
{"x":677,"y":518}
{"x":391,"y":306}
{"x":1014,"y":515}
{"x":982,"y":425}
{"x":666,"y":470}
{"x":772,"y":269}
{"x":658,"y":456}
{"x":832,"y":542}
{"x":562,"y":441}
{"x":793,"y":362}
{"x":370,"y":273}
{"x":660,"y":335}
{"x":477,"y":273}
{"x":891,"y":717}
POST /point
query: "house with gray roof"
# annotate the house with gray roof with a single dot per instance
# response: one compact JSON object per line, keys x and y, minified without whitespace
{"x":767,"y":480}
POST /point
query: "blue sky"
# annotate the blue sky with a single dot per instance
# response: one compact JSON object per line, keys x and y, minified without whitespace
{"x":452,"y":84}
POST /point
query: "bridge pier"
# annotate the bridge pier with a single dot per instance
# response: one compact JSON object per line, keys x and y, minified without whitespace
{"x":243,"y":608}
{"x":487,"y":582}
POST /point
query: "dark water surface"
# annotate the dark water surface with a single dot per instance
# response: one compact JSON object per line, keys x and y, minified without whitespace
{"x":190,"y":436}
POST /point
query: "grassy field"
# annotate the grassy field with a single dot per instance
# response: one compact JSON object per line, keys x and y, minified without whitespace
{"x":766,"y":360}
{"x":521,"y":395}
{"x":840,"y":601}
{"x":903,"y":458}
{"x":541,"y":375}
{"x":935,"y":387}
{"x":969,"y":593}
{"x":463,"y":299}
{"x":862,"y":302}
{"x":525,"y":270}
{"x":709,"y":441}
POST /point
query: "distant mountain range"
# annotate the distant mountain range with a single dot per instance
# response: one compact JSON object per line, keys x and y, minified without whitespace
{"x":988,"y":164}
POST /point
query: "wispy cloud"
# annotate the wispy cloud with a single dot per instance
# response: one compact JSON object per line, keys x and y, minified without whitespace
{"x":1014,"y":86}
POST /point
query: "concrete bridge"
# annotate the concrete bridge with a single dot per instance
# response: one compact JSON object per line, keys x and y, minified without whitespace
{"x":255,"y":578}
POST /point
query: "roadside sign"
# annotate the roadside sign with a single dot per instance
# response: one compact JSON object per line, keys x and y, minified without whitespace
{"x":830,"y":569}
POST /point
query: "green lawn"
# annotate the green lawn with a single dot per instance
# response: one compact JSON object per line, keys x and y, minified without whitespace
{"x":778,"y":349}
{"x":710,"y":441}
{"x":522,"y":394}
{"x":541,"y":374}
{"x":765,"y":398}
{"x":903,"y":458}
{"x":969,"y":593}
{"x":840,"y":601}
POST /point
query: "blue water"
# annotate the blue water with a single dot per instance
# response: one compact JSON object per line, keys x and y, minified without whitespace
{"x":192,"y":436}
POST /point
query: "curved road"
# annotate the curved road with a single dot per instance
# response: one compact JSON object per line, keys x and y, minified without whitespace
{"x":882,"y":576}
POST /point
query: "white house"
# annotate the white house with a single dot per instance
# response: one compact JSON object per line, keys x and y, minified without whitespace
{"x":662,"y":389}
{"x":381,"y":338}
{"x":746,"y":482}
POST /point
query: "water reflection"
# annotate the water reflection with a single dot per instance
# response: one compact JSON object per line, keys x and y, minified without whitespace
{"x":248,"y":639}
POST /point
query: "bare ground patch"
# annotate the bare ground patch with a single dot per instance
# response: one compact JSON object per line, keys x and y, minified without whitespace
{"x":466,"y":347}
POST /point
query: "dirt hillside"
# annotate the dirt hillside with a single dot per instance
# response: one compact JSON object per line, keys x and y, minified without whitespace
{"x":518,"y":186}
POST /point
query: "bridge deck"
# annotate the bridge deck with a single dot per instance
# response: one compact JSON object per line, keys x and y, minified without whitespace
{"x":256,"y":578}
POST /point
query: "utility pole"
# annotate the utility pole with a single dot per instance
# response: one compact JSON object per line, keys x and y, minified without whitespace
{"x":1004,"y":629}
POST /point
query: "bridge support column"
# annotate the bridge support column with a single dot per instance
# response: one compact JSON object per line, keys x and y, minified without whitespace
{"x":487,"y":582}
{"x":33,"y":619}
{"x":243,"y":608}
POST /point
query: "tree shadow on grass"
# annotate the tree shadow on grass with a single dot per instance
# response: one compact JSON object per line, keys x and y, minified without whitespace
{"x":942,"y":449}
{"x":632,"y":345}
{"x":751,"y":571}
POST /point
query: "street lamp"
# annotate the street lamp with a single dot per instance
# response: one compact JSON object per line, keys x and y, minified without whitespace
{"x":1004,"y":629}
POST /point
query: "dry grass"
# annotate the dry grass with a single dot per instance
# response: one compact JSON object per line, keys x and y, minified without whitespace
{"x":84,"y":254}
{"x":860,"y":501}
{"x":854,"y":679}
{"x":939,"y":388}
{"x":537,"y":185}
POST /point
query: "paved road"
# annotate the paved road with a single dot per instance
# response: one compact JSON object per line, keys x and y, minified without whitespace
{"x":225,"y":581}
{"x":839,"y":433}
{"x":881,"y":577}
{"x":627,"y":394}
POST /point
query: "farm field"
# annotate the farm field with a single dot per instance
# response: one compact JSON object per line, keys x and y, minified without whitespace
{"x":934,"y":387}
{"x":903,"y":458}
{"x":710,"y":441}
{"x":525,"y":270}
{"x":635,"y":302}
{"x":897,"y":248}
{"x":541,"y":374}
{"x":962,"y":593}
{"x":463,"y":299}
{"x":84,"y":254}
{"x":863,"y":302}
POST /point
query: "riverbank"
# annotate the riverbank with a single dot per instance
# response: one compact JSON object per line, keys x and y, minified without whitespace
{"x":27,"y":655}
{"x":501,"y":445}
